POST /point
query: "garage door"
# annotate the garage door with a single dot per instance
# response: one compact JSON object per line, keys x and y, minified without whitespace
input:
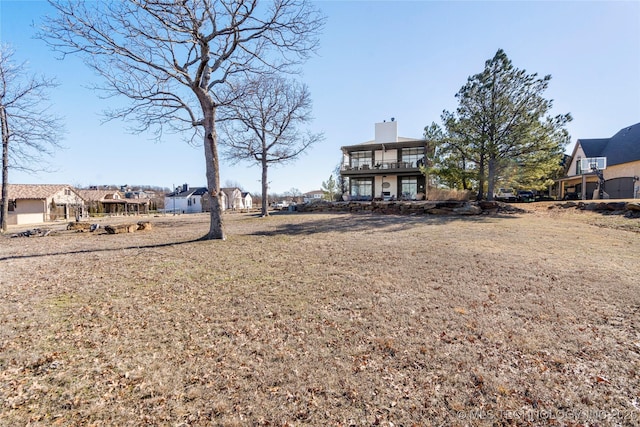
{"x":619,"y":188}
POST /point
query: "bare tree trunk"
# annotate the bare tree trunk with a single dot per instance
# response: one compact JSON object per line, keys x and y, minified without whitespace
{"x":491,"y":177}
{"x":265,"y":188}
{"x":481,"y":178}
{"x":5,"y":170}
{"x":216,"y":230}
{"x":465,"y":182}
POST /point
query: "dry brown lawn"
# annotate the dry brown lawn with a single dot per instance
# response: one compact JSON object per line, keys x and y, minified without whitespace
{"x":326,"y":320}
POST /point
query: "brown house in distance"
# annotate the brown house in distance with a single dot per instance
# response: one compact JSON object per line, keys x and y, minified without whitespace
{"x":113,"y":202}
{"x":38,"y":203}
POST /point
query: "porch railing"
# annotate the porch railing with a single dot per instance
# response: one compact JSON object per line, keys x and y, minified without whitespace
{"x":381,"y":166}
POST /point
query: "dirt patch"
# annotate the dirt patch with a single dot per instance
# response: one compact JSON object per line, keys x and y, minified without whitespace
{"x":326,"y":319}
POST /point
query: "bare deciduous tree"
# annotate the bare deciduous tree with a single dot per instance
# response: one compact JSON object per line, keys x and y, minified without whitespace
{"x":172,"y":59}
{"x":29,"y":131}
{"x":263,"y":126}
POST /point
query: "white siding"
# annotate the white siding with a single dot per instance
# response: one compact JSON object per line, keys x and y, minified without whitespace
{"x":248,"y":202}
{"x":175,"y":204}
{"x":392,"y":189}
{"x":67,"y":197}
{"x":191,"y":204}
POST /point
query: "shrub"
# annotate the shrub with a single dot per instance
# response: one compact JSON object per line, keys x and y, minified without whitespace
{"x":448,"y":194}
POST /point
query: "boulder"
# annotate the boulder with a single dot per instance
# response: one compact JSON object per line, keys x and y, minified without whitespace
{"x":633,"y":206}
{"x":438,"y":211}
{"x":468,"y":209}
{"x":489,"y":205}
{"x":615,"y":206}
{"x":450,"y":204}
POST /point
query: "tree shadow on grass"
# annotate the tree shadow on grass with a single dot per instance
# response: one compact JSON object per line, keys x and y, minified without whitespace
{"x":95,"y":250}
{"x":313,"y":223}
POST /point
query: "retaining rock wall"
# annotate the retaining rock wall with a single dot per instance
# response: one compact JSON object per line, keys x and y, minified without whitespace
{"x":628,"y":209}
{"x":412,"y":208}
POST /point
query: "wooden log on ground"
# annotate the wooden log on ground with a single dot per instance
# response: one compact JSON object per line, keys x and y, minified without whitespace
{"x":144,"y":225}
{"x":121,"y":228}
{"x":81,"y":226}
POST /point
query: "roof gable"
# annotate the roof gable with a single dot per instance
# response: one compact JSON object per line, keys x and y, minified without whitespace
{"x":593,"y":147}
{"x":231,"y":191}
{"x":100,"y":195}
{"x":34,"y":191}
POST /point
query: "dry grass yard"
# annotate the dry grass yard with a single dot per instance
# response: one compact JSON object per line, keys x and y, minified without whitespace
{"x":326,"y":320}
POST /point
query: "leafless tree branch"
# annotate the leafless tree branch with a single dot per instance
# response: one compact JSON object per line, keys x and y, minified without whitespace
{"x":263,"y":125}
{"x":29,"y":131}
{"x":173,"y":59}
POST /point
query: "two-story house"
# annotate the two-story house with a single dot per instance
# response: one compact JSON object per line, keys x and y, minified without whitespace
{"x":386,"y":168}
{"x":618,"y":159}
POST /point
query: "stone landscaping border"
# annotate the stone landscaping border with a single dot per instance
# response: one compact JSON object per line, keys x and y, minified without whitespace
{"x":456,"y":207}
{"x":628,"y":209}
{"x":447,"y":207}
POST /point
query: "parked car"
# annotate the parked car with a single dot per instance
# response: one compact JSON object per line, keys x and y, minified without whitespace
{"x":526,"y":196}
{"x":505,"y":195}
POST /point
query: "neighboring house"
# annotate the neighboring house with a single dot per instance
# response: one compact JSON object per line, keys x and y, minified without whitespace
{"x":622,"y":172}
{"x":247,"y":200}
{"x":156,"y":199}
{"x":313,"y":196}
{"x":113,"y":202}
{"x":138,"y":202}
{"x":387,"y":167}
{"x":235,"y":199}
{"x":35,"y":204}
{"x":185,"y":200}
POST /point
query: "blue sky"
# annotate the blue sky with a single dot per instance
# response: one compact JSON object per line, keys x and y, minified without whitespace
{"x":377,"y":60}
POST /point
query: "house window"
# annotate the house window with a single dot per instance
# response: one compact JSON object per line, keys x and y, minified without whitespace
{"x":408,"y":187}
{"x":579,"y":166}
{"x":412,"y":155}
{"x":361,"y":188}
{"x":361,"y":158}
{"x":67,"y":192}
